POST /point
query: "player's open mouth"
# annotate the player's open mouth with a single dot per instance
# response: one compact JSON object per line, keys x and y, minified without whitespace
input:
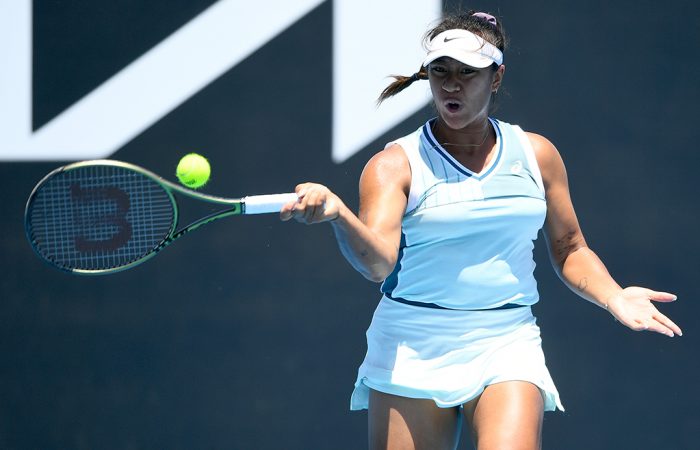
{"x":452,"y":106}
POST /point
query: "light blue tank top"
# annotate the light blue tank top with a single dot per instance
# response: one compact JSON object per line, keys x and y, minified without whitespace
{"x":467,"y":238}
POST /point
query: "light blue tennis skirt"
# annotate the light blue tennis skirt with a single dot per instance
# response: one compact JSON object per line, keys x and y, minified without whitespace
{"x":450,"y":356}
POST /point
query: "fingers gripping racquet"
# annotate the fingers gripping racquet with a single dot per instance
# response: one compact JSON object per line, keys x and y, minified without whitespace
{"x":103,"y":216}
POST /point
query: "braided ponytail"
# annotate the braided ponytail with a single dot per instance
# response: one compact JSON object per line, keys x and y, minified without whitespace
{"x":400,"y":83}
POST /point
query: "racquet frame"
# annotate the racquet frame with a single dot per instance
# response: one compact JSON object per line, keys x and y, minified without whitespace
{"x":233,"y":206}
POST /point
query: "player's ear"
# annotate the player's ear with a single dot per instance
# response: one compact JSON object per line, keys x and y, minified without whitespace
{"x":498,"y":78}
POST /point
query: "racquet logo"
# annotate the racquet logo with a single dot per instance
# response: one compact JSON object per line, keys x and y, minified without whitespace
{"x":100,"y":219}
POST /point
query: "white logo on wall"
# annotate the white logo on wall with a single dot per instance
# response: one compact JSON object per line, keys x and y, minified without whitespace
{"x":371,"y":39}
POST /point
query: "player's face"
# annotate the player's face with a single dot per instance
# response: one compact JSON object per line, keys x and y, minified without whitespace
{"x":462,"y":93}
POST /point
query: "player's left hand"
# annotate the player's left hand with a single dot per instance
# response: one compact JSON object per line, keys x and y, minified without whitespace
{"x":633,"y":307}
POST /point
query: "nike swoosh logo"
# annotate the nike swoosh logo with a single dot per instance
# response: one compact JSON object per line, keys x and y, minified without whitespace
{"x":446,"y":39}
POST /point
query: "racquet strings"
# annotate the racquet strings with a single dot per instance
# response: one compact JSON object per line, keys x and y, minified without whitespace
{"x":99,"y":217}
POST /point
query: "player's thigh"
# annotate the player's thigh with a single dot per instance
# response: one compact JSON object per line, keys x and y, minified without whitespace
{"x":506,"y":415}
{"x":406,"y":423}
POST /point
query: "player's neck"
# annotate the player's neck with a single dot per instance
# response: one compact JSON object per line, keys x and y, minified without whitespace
{"x":473,"y":140}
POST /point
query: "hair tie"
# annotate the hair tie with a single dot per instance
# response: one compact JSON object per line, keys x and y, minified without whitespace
{"x":487,"y":17}
{"x":415,"y":77}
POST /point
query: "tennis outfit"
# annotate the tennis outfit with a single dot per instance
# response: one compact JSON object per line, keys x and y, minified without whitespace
{"x":455,"y":313}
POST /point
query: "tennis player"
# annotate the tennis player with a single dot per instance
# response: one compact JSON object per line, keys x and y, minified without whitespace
{"x":447,"y":220}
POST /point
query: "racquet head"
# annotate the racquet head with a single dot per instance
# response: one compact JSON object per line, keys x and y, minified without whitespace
{"x":99,"y":216}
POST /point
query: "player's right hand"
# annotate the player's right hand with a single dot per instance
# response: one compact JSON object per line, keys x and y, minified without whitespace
{"x":316,"y":204}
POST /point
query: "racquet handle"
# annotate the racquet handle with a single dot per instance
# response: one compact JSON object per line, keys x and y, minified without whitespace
{"x":261,"y":204}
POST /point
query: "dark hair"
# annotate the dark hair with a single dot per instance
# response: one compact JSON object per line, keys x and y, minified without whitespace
{"x":495,"y":34}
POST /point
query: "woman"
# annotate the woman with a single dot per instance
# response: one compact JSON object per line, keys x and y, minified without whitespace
{"x":447,"y":220}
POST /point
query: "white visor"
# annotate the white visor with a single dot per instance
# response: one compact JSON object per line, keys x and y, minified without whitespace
{"x":464,"y":46}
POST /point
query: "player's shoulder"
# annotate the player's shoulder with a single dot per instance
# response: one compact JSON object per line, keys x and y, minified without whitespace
{"x":390,"y":163}
{"x":545,"y":151}
{"x":548,"y":158}
{"x":392,"y":157}
{"x":540,"y":144}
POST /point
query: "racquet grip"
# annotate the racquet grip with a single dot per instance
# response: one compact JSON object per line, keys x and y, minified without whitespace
{"x":261,"y":204}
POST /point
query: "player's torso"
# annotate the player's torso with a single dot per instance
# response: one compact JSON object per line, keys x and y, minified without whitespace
{"x":467,"y":237}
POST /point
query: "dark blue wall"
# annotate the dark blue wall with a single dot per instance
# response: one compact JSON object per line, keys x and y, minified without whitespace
{"x":248,"y":334}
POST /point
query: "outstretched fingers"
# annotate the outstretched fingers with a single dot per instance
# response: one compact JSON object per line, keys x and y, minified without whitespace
{"x":658,"y":323}
{"x":664,"y":297}
{"x":634,"y":307}
{"x":667,"y":324}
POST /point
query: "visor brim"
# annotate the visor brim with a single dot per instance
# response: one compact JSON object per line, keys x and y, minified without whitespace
{"x":469,"y":58}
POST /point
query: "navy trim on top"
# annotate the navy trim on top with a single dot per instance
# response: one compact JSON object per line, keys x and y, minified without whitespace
{"x":392,"y":280}
{"x":436,"y":306}
{"x":427,"y":132}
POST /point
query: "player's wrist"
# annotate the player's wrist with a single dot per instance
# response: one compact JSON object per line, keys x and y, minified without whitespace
{"x":609,"y":300}
{"x":340,"y":215}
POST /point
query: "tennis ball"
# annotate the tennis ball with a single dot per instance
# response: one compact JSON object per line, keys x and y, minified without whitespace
{"x":193,"y":170}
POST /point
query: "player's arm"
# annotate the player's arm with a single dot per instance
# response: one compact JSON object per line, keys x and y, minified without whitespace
{"x":577,"y":265}
{"x":371,"y":241}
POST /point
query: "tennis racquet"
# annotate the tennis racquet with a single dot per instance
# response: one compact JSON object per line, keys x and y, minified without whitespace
{"x":104,"y":216}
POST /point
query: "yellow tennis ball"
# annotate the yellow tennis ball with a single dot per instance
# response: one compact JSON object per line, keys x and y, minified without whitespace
{"x":193,"y":170}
